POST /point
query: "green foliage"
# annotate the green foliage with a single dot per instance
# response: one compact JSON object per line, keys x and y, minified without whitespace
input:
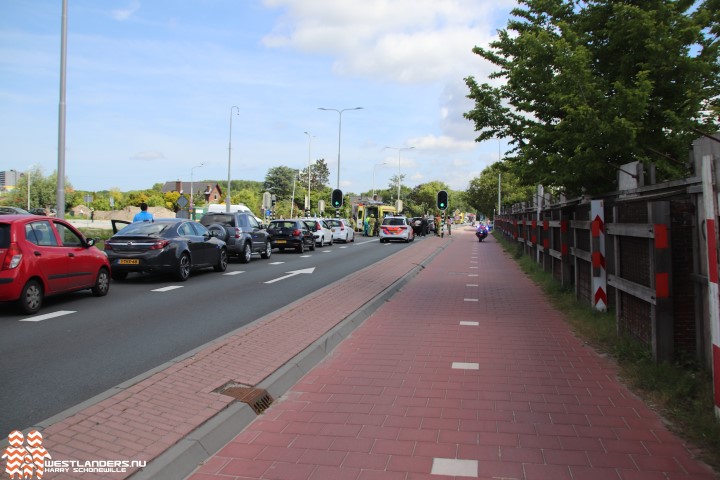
{"x":279,"y":181}
{"x":482,"y":192}
{"x":592,"y":85}
{"x":319,"y":176}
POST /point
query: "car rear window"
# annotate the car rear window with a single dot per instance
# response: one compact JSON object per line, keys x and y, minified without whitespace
{"x":4,"y":235}
{"x":281,"y":224}
{"x":146,"y":228}
{"x":228,"y":220}
{"x":393,"y":221}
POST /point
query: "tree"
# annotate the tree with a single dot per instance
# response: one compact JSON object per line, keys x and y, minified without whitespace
{"x":319,"y":175}
{"x":482,"y":192}
{"x":279,"y":181}
{"x":592,"y":85}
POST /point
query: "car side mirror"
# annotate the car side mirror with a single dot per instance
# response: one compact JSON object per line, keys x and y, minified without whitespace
{"x":90,"y":242}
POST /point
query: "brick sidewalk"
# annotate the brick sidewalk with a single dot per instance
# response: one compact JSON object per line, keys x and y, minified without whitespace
{"x":467,"y":372}
{"x":153,"y":417}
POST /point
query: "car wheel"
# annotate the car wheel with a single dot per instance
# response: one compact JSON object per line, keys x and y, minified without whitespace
{"x":184,"y":266}
{"x":222,"y":261}
{"x":218,"y":231}
{"x":268,"y":251}
{"x":301,"y":247}
{"x":312,"y":247}
{"x":246,"y":254}
{"x":119,"y":275}
{"x":331,"y":241}
{"x":31,"y":297}
{"x":102,"y":283}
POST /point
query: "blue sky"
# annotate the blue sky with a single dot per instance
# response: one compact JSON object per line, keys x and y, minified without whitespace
{"x":151,"y":85}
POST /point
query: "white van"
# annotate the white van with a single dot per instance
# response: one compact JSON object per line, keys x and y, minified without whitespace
{"x":222,"y":208}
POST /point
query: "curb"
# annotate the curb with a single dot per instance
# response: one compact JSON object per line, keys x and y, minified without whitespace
{"x":184,"y":457}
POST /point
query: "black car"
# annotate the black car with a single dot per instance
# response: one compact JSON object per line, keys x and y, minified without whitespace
{"x":173,"y":245}
{"x":291,"y":234}
{"x":242,"y":233}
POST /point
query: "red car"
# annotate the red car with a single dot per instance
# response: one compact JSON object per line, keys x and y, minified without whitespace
{"x":41,"y":256}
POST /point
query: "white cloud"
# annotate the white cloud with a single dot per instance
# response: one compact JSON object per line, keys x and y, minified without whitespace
{"x":122,"y":14}
{"x":441,"y":142}
{"x":407,"y":41}
{"x":148,"y":156}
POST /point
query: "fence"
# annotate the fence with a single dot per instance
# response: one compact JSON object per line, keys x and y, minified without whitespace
{"x":648,"y":251}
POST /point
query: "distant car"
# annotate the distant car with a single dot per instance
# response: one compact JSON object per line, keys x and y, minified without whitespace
{"x":396,"y":228}
{"x":341,"y":230}
{"x":321,"y":231}
{"x":172,"y":245}
{"x":13,"y":211}
{"x":291,"y":234}
{"x":42,"y":256}
{"x":242,"y":233}
{"x":39,"y":211}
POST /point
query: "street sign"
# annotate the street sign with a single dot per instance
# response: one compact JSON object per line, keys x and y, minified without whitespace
{"x":182,"y":201}
{"x":321,"y":205}
{"x":399,"y":206}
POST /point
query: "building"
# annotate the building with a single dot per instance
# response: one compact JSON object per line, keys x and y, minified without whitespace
{"x":210,"y":192}
{"x":9,"y":179}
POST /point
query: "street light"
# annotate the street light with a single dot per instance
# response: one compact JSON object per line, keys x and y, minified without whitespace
{"x":373,"y":184}
{"x":292,"y":201}
{"x":192,"y":204}
{"x":307,"y":201}
{"x":399,"y":149}
{"x":227,"y":198}
{"x":340,"y":112}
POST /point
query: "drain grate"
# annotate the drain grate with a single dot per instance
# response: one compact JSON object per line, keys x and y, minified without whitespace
{"x":258,"y":398}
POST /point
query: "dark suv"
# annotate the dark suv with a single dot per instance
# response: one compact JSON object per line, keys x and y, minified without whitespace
{"x":241,"y":232}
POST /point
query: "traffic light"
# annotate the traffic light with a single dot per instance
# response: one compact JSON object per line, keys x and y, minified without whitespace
{"x":442,"y":200}
{"x":337,"y":198}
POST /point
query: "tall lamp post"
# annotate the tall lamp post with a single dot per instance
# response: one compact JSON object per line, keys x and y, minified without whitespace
{"x":192,"y":190}
{"x":292,"y":201}
{"x":307,"y":202}
{"x":227,"y":198}
{"x":373,"y":185}
{"x":340,"y":112}
{"x":399,"y":149}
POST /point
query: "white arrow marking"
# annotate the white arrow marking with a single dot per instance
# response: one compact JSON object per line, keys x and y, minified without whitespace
{"x":167,"y":289}
{"x":292,"y":274}
{"x":40,"y":318}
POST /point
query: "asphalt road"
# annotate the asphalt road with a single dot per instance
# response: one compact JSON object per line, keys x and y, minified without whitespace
{"x":51,"y":363}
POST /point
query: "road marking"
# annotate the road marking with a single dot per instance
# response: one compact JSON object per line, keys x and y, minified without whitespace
{"x":47,"y":316}
{"x":236,"y":272}
{"x":276,"y":263}
{"x":472,"y":275}
{"x":327,"y":251}
{"x":472,"y":285}
{"x":471,"y":299}
{"x":454,"y":467}
{"x":469,"y":324}
{"x":465,"y":366}
{"x":292,"y":274}
{"x":342,"y":247}
{"x":305,"y":256}
{"x":167,"y":289}
{"x":473,"y":267}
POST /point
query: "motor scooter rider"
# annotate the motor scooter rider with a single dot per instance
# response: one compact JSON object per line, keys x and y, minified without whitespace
{"x":481,"y":232}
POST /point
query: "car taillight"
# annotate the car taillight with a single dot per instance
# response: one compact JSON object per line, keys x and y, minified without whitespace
{"x":237,"y":232}
{"x":159,"y":245}
{"x":12,"y":257}
{"x":296,"y":233}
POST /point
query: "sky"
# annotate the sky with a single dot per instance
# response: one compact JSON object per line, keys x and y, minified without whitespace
{"x":158,"y":90}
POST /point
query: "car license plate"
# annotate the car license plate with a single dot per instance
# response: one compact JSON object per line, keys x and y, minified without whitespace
{"x":128,"y":261}
{"x":280,"y":241}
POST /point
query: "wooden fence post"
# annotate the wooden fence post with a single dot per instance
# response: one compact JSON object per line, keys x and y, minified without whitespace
{"x":662,"y":311}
